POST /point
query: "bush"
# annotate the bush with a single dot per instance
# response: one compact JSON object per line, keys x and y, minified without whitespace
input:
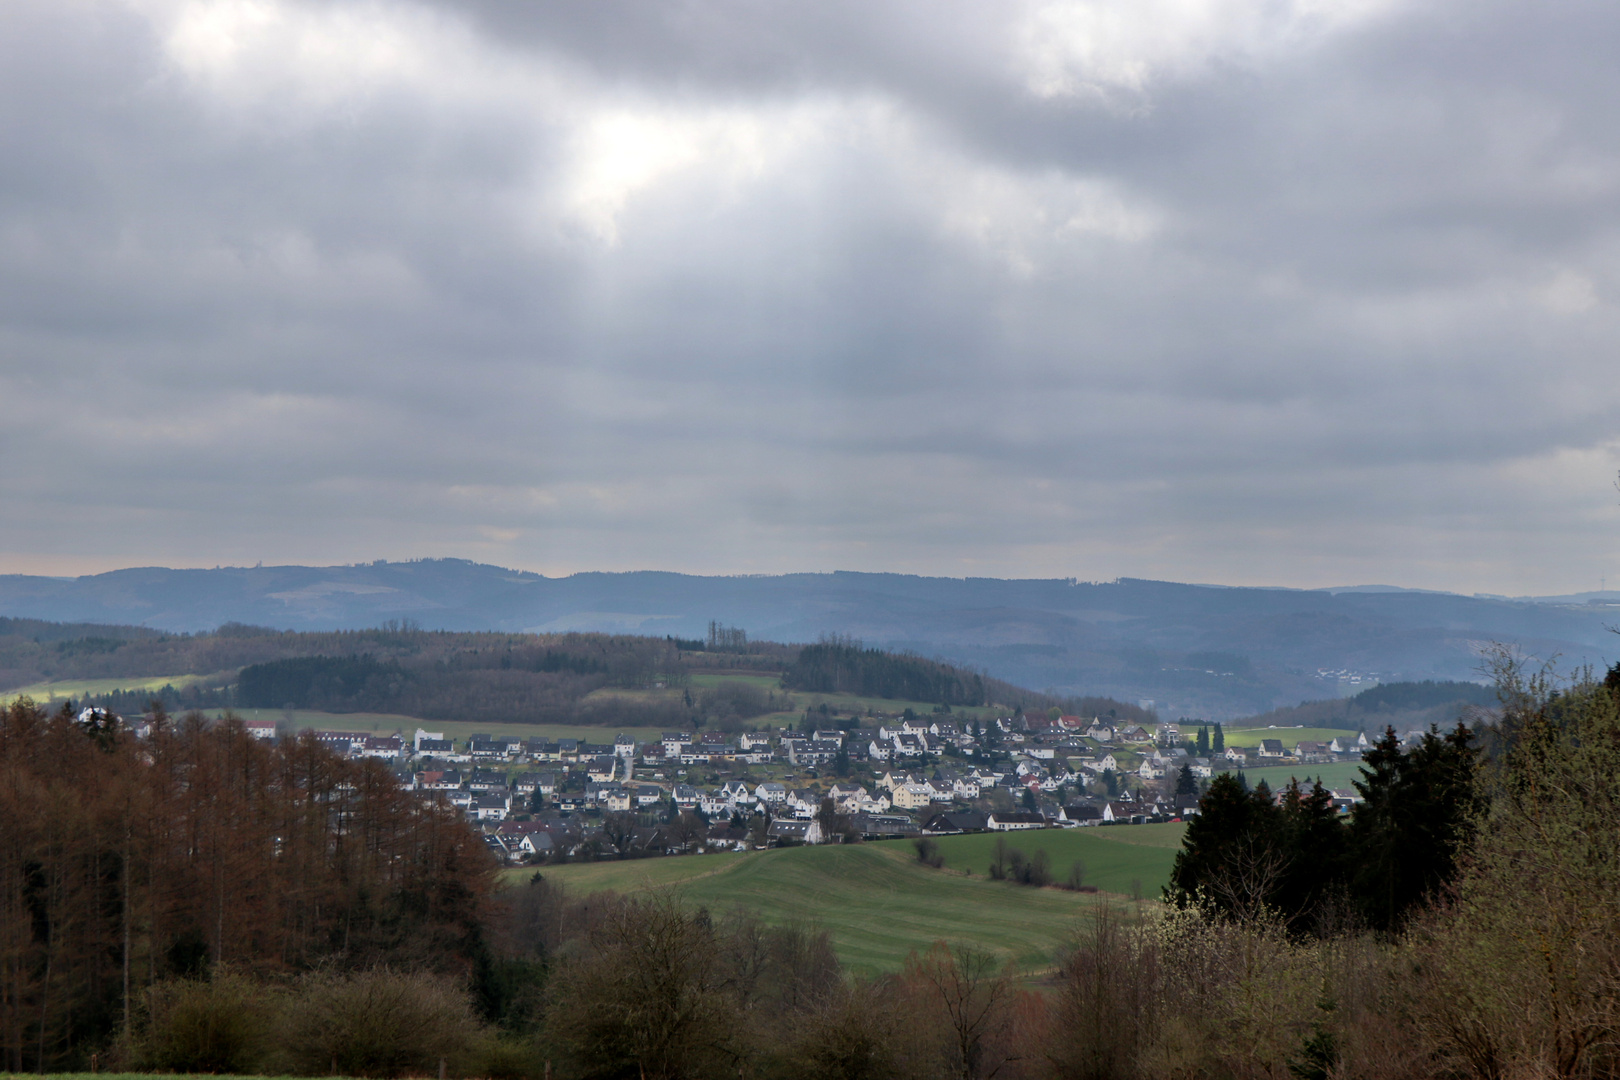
{"x":378,"y":1023}
{"x":649,"y":995}
{"x":1077,"y":878}
{"x":857,"y":1032}
{"x":737,"y":700}
{"x":219,"y":1026}
{"x":503,"y":1057}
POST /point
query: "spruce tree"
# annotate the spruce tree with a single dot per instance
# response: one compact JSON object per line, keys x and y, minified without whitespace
{"x":1219,"y":743}
{"x":1417,"y":809}
{"x":1186,"y":784}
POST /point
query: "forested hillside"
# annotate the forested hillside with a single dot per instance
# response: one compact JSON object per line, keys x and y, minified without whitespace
{"x":246,"y":856}
{"x":1197,"y":651}
{"x":618,"y":679}
{"x":1404,"y":706}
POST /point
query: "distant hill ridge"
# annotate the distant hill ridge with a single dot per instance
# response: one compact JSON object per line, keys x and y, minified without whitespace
{"x":1404,"y":706}
{"x":494,"y":677}
{"x":1129,"y":639}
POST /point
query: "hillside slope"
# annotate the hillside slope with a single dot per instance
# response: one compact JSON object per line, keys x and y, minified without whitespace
{"x":624,"y":680}
{"x":879,"y":904}
{"x":1197,"y":651}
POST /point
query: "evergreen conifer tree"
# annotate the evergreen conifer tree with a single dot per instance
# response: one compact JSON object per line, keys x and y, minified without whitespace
{"x":1186,"y":784}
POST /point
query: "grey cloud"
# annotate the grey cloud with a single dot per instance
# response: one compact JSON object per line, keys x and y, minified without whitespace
{"x":1320,"y":315}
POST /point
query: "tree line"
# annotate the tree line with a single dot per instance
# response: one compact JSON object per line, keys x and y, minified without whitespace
{"x":1465,"y":920}
{"x":837,"y":667}
{"x":550,"y":670}
{"x":1403,"y":705}
{"x":1252,"y":850}
{"x":202,"y":850}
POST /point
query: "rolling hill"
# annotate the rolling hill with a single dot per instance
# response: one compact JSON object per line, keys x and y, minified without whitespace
{"x":879,"y":904}
{"x":494,"y":678}
{"x":1194,"y":650}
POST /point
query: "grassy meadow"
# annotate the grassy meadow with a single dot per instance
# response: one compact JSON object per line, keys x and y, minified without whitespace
{"x":384,"y":723}
{"x":1337,"y":775}
{"x":1288,"y":735}
{"x":78,"y":688}
{"x":387,"y":723}
{"x":1116,"y":858}
{"x":879,"y":904}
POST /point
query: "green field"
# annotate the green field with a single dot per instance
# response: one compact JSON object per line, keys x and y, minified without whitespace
{"x":1117,"y":858}
{"x":633,"y":875}
{"x":1337,"y":775}
{"x":387,"y":723}
{"x":78,"y":688}
{"x":704,"y":680}
{"x":1288,"y":735}
{"x":843,"y":704}
{"x":879,"y":904}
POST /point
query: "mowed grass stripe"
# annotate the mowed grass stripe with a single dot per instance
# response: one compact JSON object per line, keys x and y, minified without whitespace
{"x":879,"y":904}
{"x":631,"y":875}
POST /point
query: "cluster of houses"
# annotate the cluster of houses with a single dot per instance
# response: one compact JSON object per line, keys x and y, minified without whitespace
{"x":539,"y":798}
{"x":1277,"y":752}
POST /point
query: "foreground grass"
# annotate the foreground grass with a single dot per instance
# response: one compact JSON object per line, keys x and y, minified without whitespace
{"x":879,"y":904}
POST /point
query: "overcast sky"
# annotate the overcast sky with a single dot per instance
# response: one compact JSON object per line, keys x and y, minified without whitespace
{"x":1293,"y":292}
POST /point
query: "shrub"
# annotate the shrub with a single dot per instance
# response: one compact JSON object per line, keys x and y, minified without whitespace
{"x":502,"y":1057}
{"x":857,"y":1032}
{"x":1077,"y":878}
{"x":649,"y":995}
{"x":217,"y":1026}
{"x":378,"y":1023}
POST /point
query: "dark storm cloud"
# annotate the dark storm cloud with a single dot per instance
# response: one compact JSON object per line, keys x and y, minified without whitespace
{"x":1298,"y":294}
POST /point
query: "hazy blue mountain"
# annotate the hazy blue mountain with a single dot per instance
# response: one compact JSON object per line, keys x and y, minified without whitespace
{"x":1194,"y":650}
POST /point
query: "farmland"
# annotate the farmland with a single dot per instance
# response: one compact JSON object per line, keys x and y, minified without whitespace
{"x":1128,"y":860}
{"x":387,"y":723}
{"x":75,"y":689}
{"x":838,"y":704}
{"x":1288,"y":736}
{"x":800,"y":700}
{"x":879,"y":904}
{"x":1336,"y":775}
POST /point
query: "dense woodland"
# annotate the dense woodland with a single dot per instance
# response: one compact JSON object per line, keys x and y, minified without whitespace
{"x":199,"y":850}
{"x":1405,"y":706}
{"x":834,"y":667}
{"x":1248,"y":851}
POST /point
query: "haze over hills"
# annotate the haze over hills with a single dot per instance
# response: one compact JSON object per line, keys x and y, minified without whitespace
{"x":1194,"y":650}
